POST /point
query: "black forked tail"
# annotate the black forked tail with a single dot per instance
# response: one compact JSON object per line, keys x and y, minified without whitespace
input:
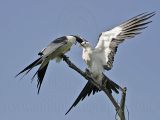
{"x":87,"y":90}
{"x":110,"y":85}
{"x":90,"y":88}
{"x":40,"y":75}
{"x":29,"y":67}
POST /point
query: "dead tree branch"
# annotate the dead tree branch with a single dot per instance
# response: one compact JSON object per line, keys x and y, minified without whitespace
{"x":119,"y":108}
{"x":122,"y":104}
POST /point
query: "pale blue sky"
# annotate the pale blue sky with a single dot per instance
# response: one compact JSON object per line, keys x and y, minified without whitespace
{"x":27,"y":26}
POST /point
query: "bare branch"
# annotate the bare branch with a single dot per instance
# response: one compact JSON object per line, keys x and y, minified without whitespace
{"x":119,"y":108}
{"x":121,"y":111}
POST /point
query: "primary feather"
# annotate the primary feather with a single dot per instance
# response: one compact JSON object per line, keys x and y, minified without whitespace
{"x":109,"y":40}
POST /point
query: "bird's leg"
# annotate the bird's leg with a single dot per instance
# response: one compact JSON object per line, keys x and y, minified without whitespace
{"x":74,"y":67}
{"x":87,"y":71}
{"x":64,"y":56}
{"x":66,"y":59}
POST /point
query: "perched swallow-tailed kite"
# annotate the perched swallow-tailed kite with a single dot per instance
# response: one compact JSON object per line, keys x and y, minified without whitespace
{"x":101,"y":57}
{"x":54,"y":50}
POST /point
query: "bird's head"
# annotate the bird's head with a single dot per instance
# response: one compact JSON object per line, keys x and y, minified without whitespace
{"x":84,"y":43}
{"x":71,"y":38}
{"x":75,"y":39}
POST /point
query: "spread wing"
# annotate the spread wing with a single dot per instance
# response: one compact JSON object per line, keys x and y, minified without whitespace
{"x":109,"y":40}
{"x":87,"y":90}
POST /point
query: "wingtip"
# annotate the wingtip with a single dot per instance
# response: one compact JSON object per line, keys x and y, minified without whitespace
{"x":148,"y":13}
{"x":152,"y":14}
{"x":145,"y":15}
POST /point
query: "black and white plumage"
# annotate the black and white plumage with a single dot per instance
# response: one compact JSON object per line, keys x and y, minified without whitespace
{"x":54,"y":50}
{"x":101,"y":57}
{"x":90,"y":88}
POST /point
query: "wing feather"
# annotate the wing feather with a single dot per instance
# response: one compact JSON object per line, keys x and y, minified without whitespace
{"x":54,"y":45}
{"x":109,"y":40}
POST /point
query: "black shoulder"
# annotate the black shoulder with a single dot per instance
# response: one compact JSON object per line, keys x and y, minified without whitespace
{"x":60,"y":40}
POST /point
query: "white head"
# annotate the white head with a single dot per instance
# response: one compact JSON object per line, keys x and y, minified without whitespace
{"x":85,"y":44}
{"x":71,"y":38}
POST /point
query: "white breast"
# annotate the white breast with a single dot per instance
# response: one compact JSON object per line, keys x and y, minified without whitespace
{"x":97,"y":64}
{"x":94,"y":62}
{"x":86,"y":55}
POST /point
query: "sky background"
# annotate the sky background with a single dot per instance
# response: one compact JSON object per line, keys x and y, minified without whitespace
{"x":27,"y":26}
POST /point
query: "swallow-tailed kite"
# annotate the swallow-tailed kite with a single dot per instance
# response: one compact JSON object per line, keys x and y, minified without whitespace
{"x":101,"y":57}
{"x":54,"y":50}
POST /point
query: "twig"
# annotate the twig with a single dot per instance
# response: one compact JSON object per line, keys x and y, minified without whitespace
{"x":127,"y":112}
{"x":84,"y":74}
{"x":119,"y":109}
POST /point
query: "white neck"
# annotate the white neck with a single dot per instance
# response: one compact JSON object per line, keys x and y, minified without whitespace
{"x":71,"y":39}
